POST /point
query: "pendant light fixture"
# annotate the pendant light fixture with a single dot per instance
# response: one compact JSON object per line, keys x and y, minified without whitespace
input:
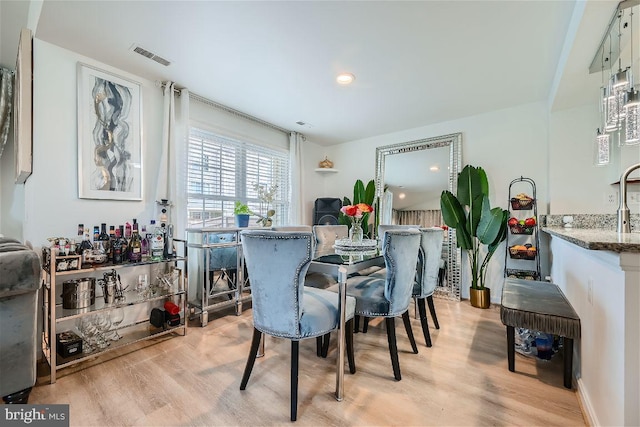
{"x":602,"y":151}
{"x":602,"y":147}
{"x":619,"y":101}
{"x":608,"y":99}
{"x":619,"y":83}
{"x":632,"y":125}
{"x":632,"y":106}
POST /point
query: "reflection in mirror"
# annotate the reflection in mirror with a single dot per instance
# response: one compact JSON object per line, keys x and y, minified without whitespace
{"x":410,"y":177}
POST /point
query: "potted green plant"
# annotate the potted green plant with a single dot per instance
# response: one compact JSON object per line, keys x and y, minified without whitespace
{"x":242,"y":212}
{"x":476,"y":225}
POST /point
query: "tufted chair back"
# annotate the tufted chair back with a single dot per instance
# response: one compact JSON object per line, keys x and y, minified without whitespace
{"x":277,"y":281}
{"x":304,"y":228}
{"x":429,"y":259}
{"x":400,"y":249}
{"x":328,"y":234}
{"x":277,"y":262}
{"x":385,"y":227}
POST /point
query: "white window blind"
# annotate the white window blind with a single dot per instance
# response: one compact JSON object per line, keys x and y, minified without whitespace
{"x":221,"y":170}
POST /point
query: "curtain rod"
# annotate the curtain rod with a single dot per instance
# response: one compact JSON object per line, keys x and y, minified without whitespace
{"x":236,"y":112}
{"x":228,"y":109}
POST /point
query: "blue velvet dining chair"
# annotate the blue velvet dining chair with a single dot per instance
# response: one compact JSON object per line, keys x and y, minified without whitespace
{"x":379,"y":272}
{"x":324,"y":237}
{"x":390,"y":296}
{"x":427,"y":277}
{"x":282,"y":306}
{"x":328,"y":234}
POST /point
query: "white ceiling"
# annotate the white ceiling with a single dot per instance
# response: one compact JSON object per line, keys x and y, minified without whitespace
{"x":416,"y":63}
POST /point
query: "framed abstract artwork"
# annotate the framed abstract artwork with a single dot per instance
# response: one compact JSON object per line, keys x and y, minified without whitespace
{"x":109,"y":136}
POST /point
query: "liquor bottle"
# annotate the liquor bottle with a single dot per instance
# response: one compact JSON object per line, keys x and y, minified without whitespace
{"x":127,"y":231}
{"x":112,"y":238}
{"x":79,"y":239}
{"x":124,"y":243}
{"x":144,"y":241}
{"x":103,"y":240}
{"x":96,"y":233}
{"x":116,"y":248}
{"x":135,"y":246}
{"x":168,"y":240}
{"x":157,"y":243}
{"x":85,"y":248}
{"x":149,"y":236}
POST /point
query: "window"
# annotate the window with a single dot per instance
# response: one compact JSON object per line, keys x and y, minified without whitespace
{"x":221,"y":170}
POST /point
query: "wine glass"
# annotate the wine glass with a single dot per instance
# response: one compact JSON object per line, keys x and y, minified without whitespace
{"x":116,"y":316}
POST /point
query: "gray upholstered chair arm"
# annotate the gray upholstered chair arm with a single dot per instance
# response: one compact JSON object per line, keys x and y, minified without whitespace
{"x":19,"y":268}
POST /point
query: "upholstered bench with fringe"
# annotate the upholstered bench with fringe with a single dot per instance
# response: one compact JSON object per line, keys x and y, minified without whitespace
{"x":539,"y":306}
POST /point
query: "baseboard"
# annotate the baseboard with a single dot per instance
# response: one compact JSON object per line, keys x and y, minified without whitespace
{"x":585,"y":405}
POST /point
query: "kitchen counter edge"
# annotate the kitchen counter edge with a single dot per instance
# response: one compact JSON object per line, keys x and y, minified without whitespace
{"x":597,"y":239}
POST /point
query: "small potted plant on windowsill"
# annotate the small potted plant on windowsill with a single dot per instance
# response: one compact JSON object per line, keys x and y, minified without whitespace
{"x":242,"y":212}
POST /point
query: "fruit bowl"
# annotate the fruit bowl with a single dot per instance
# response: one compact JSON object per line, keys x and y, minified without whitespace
{"x":521,"y":229}
{"x":521,"y":204}
{"x":523,"y":252}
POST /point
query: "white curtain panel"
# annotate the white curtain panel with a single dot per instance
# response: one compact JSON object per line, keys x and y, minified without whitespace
{"x":295,"y":178}
{"x":171,"y":183}
{"x":424,"y":218}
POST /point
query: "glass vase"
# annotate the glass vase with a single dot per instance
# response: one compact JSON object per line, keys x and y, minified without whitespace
{"x":355,"y":232}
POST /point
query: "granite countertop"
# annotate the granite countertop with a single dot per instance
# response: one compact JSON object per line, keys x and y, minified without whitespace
{"x":597,"y":239}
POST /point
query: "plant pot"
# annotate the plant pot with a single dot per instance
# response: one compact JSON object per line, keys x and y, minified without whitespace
{"x":242,"y":220}
{"x":480,"y":298}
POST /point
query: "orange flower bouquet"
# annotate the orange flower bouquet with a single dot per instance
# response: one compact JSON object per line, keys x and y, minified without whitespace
{"x":356,"y":212}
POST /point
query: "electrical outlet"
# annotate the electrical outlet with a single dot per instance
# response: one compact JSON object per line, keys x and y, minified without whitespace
{"x":590,"y":291}
{"x":633,"y":197}
{"x":611,"y":198}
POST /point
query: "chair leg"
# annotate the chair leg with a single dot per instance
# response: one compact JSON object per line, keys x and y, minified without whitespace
{"x":349,"y":338}
{"x":255,"y":342}
{"x":511,"y":349}
{"x":356,"y":323}
{"x":319,"y":341}
{"x":365,"y":325}
{"x":432,"y":310}
{"x":325,"y":345}
{"x":393,"y":348}
{"x":407,"y":326}
{"x":294,"y":379}
{"x":423,"y":321}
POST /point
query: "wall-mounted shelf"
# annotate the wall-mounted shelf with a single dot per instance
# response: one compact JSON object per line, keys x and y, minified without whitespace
{"x":326,"y":170}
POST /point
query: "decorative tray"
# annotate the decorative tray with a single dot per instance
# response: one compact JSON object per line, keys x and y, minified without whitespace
{"x":356,"y":252}
{"x":348,"y":245}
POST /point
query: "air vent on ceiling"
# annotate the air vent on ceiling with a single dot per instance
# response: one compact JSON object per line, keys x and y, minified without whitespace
{"x":150,"y":55}
{"x":307,"y":125}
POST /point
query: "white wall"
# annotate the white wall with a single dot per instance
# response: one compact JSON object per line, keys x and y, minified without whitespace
{"x":606,"y":361}
{"x":506,"y":143}
{"x":52,"y":206}
{"x":577,"y":186}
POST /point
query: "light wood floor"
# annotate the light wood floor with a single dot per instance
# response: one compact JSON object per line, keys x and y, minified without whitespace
{"x":194,"y":380}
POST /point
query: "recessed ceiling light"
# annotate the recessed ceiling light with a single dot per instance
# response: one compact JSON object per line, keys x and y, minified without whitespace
{"x":345,"y":78}
{"x":402,"y":196}
{"x":434,"y":168}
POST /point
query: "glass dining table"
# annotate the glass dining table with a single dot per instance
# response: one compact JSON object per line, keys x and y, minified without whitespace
{"x":342,"y":262}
